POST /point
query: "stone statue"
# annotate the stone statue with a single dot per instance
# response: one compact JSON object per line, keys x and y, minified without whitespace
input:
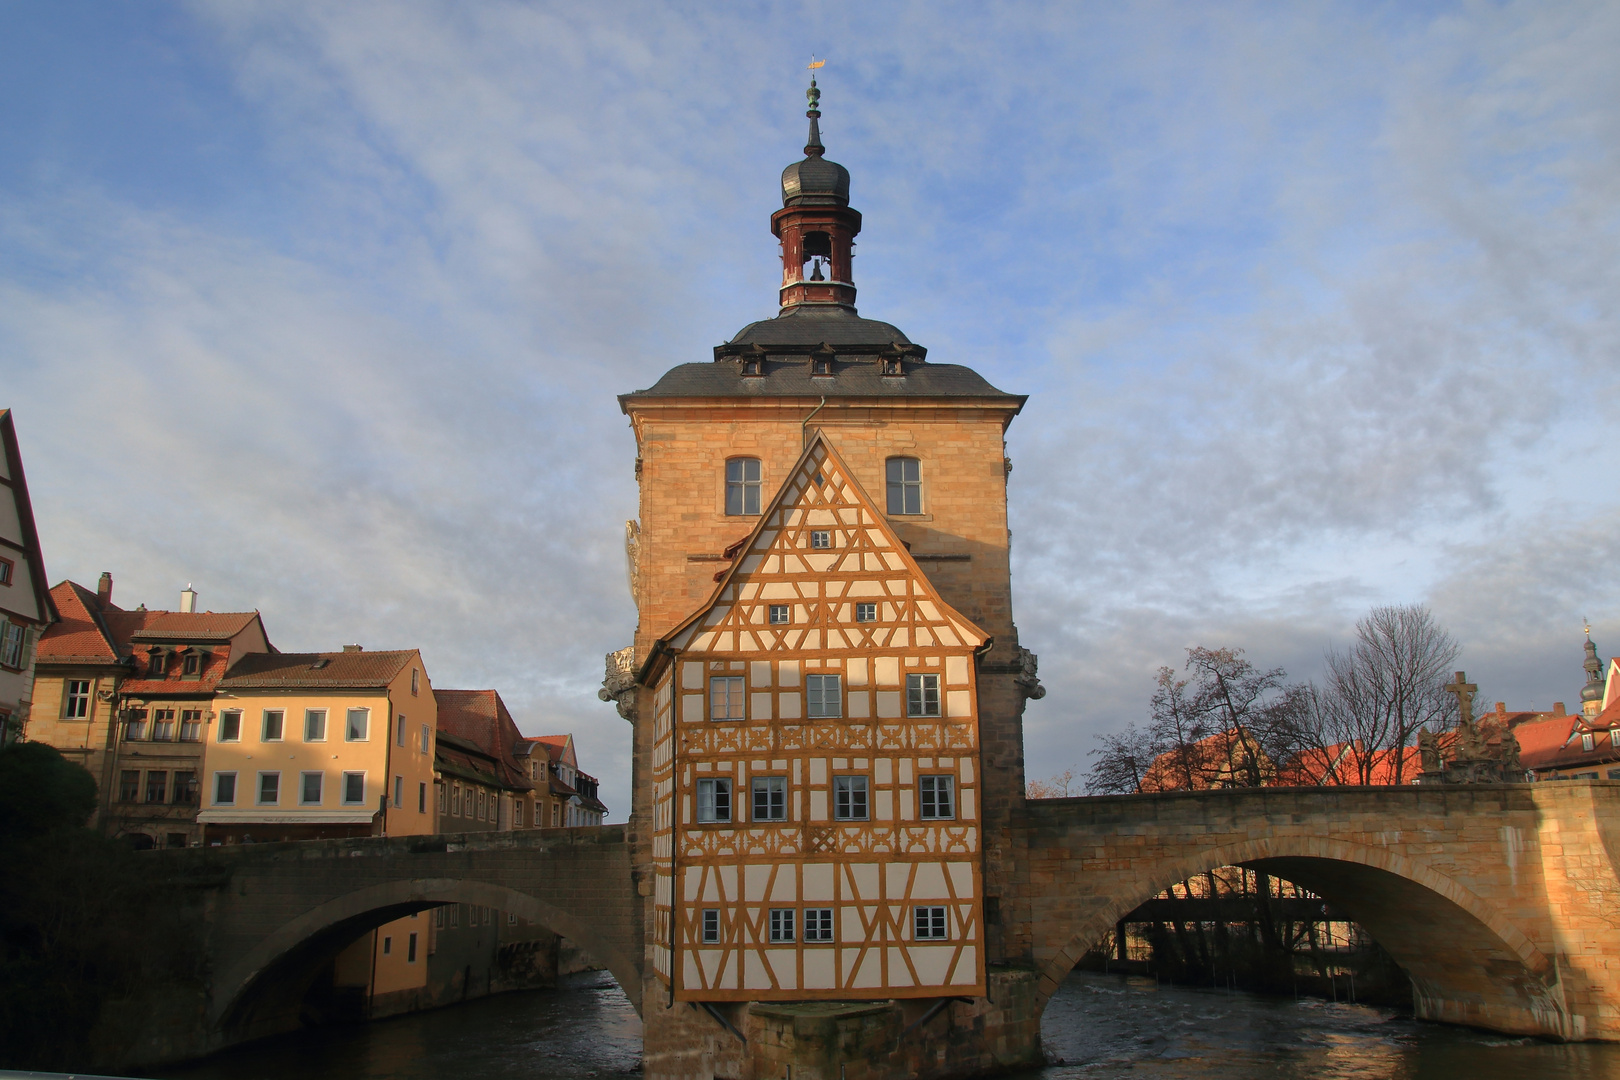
{"x":1428,"y":751}
{"x":1028,"y":679}
{"x":619,"y":683}
{"x":632,"y":559}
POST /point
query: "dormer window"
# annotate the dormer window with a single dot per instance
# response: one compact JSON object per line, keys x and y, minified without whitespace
{"x":192,"y":664}
{"x":753,"y":365}
{"x":821,"y":366}
{"x":156,"y":664}
{"x":890,"y":365}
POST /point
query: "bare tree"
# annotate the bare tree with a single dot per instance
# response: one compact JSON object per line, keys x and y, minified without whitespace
{"x":1380,"y":692}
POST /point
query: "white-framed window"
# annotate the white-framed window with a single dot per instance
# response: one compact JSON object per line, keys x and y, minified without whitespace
{"x":427,"y":739}
{"x":928,"y":923}
{"x":1588,"y":742}
{"x":781,"y":614}
{"x":230,"y":725}
{"x":904,"y":476}
{"x":824,"y":696}
{"x":866,"y":612}
{"x":399,"y":792}
{"x":314,"y":725}
{"x":135,"y":725}
{"x":455,"y":800}
{"x":820,"y":538}
{"x":937,"y":797}
{"x":274,"y":721}
{"x":162,"y":725}
{"x":818,"y":924}
{"x":714,"y":800}
{"x":438,"y":918}
{"x":358,"y":728}
{"x":770,"y":798}
{"x":191,"y":725}
{"x":76,"y":701}
{"x":399,"y":730}
{"x":7,"y":568}
{"x":711,"y":926}
{"x":225,"y":789}
{"x":269,"y":788}
{"x":726,"y":697}
{"x":12,"y":637}
{"x":309,"y":788}
{"x":782,"y":924}
{"x":354,"y":788}
{"x":1614,"y":739}
{"x":922,"y":695}
{"x":851,"y":798}
{"x":742,"y":486}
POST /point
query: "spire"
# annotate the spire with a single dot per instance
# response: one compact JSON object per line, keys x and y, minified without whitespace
{"x":1592,"y":692}
{"x":813,"y":148}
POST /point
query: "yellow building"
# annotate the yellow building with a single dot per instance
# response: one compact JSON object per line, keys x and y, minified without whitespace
{"x":314,"y":745}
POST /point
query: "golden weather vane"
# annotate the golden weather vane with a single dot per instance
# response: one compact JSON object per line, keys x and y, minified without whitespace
{"x":814,"y":63}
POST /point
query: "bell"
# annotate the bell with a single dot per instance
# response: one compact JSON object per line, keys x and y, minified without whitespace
{"x":815,"y":271}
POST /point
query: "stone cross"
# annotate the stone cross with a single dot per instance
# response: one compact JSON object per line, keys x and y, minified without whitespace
{"x":1465,"y":697}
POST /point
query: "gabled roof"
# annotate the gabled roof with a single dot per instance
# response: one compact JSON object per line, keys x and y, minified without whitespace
{"x":464,"y":758}
{"x":25,"y":516}
{"x":80,"y":634}
{"x":557,"y":749}
{"x":480,"y":717}
{"x":820,"y":493}
{"x":163,"y":627}
{"x":271,"y":671}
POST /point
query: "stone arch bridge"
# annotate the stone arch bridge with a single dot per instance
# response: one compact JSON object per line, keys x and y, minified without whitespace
{"x":1501,"y":902}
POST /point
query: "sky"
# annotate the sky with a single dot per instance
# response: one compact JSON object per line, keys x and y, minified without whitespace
{"x":323,"y":308}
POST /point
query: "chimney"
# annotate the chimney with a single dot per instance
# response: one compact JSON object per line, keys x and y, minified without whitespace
{"x":1558,"y":708}
{"x":104,"y":588}
{"x":352,"y":648}
{"x":188,"y":599}
{"x":1501,"y":708}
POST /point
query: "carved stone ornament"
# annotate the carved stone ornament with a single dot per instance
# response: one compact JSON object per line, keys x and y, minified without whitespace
{"x":1027,"y":679}
{"x":619,"y":683}
{"x":632,"y":560}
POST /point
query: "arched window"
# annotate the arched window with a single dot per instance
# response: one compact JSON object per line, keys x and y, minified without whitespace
{"x":905,"y":485}
{"x":742,"y":486}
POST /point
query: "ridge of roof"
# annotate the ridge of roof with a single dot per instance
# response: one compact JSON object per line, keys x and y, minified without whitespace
{"x":273,"y":670}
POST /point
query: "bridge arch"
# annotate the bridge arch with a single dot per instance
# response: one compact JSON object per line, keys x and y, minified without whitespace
{"x":1468,"y":963}
{"x":283,"y":955}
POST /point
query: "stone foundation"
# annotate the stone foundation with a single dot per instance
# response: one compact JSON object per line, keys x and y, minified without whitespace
{"x":927,"y":1039}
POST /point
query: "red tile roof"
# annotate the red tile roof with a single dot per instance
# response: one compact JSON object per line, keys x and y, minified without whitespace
{"x":91,"y":631}
{"x":269,"y":671}
{"x":79,"y":635}
{"x":480,"y":717}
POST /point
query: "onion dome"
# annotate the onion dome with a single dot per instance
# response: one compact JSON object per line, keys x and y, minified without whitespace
{"x":815,"y":181}
{"x":1593,"y":690}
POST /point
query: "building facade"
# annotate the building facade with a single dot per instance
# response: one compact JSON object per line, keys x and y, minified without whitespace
{"x":565,"y":797}
{"x":26,"y":607}
{"x":480,"y":782}
{"x":828,"y":681}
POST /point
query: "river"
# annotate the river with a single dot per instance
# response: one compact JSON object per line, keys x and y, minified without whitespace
{"x":1096,"y":1028}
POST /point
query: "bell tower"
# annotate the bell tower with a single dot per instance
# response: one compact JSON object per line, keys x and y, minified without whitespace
{"x":816,"y":225}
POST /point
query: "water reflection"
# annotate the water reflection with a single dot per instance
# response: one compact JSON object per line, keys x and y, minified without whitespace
{"x":1097,"y":1027}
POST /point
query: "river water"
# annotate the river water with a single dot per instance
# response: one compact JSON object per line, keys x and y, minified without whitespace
{"x":1097,"y":1027}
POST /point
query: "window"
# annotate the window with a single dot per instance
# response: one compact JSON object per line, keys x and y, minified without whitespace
{"x":129,"y":785}
{"x":427,"y":739}
{"x":438,"y":918}
{"x":274,"y":720}
{"x":135,"y":724}
{"x":192,"y":664}
{"x":928,"y":923}
{"x":354,"y":788}
{"x":480,"y":813}
{"x":309,"y":788}
{"x":230,"y":725}
{"x":399,"y":792}
{"x":269,"y":788}
{"x":416,"y":681}
{"x":1587,"y":742}
{"x":554,"y":810}
{"x":455,"y":916}
{"x":399,"y":731}
{"x":849,"y":798}
{"x":713,"y":800}
{"x":314,"y":725}
{"x":823,"y":696}
{"x":444,"y":805}
{"x":770,"y":798}
{"x":157,"y":786}
{"x":1614,"y":739}
{"x":156,"y":664}
{"x":388,"y":946}
{"x":162,"y":725}
{"x":410,"y":949}
{"x":781,"y":924}
{"x":905,"y":485}
{"x":455,"y":800}
{"x":866,"y":612}
{"x":11,"y":644}
{"x":726,"y":697}
{"x":191,"y":725}
{"x":780,"y":615}
{"x":6,"y":568}
{"x":359,"y":725}
{"x":711,"y":926}
{"x":922,"y":695}
{"x":421,"y":798}
{"x":742,"y":486}
{"x":820,"y":538}
{"x":224,"y":789}
{"x":818,"y":924}
{"x":185,"y":788}
{"x":938,"y":797}
{"x":1614,"y":774}
{"x":77,"y":702}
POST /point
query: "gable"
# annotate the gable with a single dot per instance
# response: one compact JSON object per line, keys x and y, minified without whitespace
{"x":823,"y":589}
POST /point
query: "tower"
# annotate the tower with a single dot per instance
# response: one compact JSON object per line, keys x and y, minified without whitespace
{"x":827,"y":689}
{"x":1592,"y":693}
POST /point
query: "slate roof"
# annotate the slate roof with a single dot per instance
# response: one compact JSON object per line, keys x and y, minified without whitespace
{"x":270,"y":671}
{"x":807,"y":325}
{"x":792,"y":378}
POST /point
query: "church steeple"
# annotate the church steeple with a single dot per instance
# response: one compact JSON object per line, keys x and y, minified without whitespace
{"x":1592,"y":692}
{"x":816,"y":225}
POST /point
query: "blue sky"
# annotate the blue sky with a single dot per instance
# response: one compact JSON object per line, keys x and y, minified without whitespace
{"x":324,"y":308}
